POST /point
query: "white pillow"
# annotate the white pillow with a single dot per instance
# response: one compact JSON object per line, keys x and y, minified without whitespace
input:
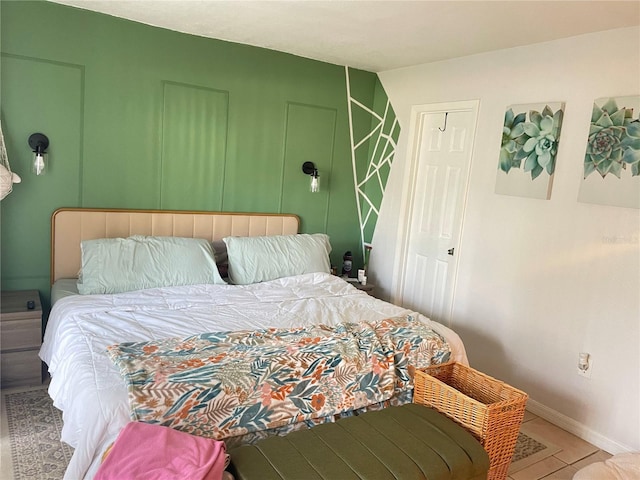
{"x":258,"y":259}
{"x":115,"y":265}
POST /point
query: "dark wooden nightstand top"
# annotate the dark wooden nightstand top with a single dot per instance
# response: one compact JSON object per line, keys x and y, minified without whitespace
{"x":13,"y":304}
{"x":369,"y":288}
{"x":365,"y":288}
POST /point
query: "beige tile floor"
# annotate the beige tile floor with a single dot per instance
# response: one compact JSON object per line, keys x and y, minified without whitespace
{"x":574,"y":453}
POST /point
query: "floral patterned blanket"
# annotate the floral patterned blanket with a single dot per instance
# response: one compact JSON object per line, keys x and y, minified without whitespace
{"x":227,"y":384}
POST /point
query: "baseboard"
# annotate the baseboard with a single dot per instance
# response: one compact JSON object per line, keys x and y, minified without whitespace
{"x":577,"y":428}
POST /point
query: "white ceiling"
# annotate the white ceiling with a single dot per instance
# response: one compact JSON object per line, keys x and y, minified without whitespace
{"x":377,"y":35}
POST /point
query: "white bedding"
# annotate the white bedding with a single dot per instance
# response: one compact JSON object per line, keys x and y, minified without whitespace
{"x":87,"y":386}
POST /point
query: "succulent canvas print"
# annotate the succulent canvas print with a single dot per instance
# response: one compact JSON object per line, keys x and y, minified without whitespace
{"x":611,"y":171}
{"x":530,"y":138}
{"x":614,"y":140}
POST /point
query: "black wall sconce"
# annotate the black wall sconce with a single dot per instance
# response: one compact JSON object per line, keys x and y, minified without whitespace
{"x":310,"y":169}
{"x":39,"y":144}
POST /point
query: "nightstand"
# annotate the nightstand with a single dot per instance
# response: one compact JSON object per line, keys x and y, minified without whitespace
{"x":369,"y":288}
{"x":20,"y":338}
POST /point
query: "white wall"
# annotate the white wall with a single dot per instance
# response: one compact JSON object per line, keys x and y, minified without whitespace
{"x":539,"y":281}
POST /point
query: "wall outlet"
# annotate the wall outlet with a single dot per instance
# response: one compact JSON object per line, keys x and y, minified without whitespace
{"x":585,"y":364}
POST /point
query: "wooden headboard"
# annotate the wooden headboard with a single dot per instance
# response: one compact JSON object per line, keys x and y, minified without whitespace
{"x":69,"y":226}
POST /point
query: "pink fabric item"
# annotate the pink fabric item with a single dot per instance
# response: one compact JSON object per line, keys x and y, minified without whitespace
{"x":153,"y":452}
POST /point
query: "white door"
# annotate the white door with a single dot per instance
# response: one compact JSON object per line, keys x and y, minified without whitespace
{"x":442,"y":142}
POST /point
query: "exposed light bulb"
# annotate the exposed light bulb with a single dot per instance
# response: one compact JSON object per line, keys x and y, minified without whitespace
{"x":315,"y":182}
{"x":38,"y":163}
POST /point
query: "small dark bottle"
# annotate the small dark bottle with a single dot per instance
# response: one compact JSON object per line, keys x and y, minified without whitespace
{"x":347,"y":264}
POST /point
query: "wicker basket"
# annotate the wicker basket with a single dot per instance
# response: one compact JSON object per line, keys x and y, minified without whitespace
{"x":488,"y":408}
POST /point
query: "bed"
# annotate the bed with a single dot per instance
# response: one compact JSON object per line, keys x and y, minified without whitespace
{"x":87,"y":385}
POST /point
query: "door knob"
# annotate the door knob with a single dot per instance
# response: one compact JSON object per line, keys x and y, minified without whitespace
{"x":450,"y":251}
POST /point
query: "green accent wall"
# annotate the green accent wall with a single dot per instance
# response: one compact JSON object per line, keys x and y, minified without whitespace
{"x":142,"y":117}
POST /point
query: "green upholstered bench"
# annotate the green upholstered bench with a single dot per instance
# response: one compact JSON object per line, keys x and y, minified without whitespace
{"x":398,"y":443}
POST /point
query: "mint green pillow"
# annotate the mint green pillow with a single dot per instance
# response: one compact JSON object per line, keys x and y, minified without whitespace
{"x":115,"y":265}
{"x":258,"y":259}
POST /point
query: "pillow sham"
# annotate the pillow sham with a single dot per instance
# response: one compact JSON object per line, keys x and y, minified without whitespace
{"x":258,"y":259}
{"x":116,"y":265}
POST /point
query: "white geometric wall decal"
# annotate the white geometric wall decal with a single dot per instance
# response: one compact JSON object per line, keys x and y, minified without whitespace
{"x":370,"y":181}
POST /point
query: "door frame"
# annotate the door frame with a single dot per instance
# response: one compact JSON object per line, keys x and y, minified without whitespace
{"x":418,"y":113}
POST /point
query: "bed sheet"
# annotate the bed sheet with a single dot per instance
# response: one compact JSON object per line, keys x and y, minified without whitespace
{"x":65,"y":287}
{"x":87,"y":386}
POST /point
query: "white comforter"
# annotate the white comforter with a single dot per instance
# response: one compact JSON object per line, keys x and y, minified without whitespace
{"x":87,"y":386}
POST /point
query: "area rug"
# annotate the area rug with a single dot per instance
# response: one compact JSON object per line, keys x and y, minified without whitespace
{"x":35,"y":426}
{"x":37,"y":452}
{"x":530,"y":449}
